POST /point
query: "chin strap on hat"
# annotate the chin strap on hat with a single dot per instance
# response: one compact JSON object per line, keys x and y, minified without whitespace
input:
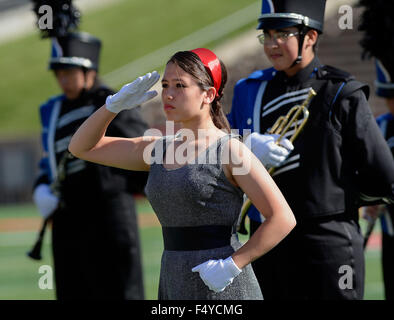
{"x":302,"y":32}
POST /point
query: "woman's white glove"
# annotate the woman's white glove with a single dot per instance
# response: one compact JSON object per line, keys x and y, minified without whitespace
{"x":265,"y":148}
{"x":45,"y":200}
{"x":133,"y":94}
{"x":218,"y":274}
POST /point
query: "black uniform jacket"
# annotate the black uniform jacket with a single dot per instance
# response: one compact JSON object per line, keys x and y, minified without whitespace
{"x":340,"y":160}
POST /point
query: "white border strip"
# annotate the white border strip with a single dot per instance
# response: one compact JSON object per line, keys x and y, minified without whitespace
{"x":285,"y":95}
{"x":257,"y":107}
{"x":284,"y":102}
{"x":287,"y":168}
{"x":51,"y":138}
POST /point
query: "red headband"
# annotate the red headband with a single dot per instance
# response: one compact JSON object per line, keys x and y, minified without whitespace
{"x":212,"y":65}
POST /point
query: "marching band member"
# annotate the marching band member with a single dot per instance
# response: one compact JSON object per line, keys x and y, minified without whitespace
{"x":95,"y":239}
{"x":338,"y":162}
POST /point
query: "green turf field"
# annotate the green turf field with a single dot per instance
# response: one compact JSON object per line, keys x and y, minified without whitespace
{"x":19,"y":275}
{"x":129,"y":29}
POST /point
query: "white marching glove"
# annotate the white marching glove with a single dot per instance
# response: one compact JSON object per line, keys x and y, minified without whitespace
{"x":267,"y":151}
{"x":45,"y":200}
{"x":133,"y":94}
{"x":218,"y":274}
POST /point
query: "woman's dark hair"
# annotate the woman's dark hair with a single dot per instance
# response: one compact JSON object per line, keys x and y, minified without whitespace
{"x":190,"y":63}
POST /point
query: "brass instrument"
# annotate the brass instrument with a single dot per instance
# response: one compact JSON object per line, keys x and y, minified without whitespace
{"x":281,"y":127}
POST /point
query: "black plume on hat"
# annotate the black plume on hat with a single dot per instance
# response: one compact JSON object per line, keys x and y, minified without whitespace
{"x":69,"y":48}
{"x":65,"y":17}
{"x":377,"y":24}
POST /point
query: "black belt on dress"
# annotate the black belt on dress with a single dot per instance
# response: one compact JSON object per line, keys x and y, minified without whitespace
{"x":196,"y":238}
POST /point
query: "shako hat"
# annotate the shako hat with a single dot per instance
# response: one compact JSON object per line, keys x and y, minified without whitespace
{"x":279,"y":14}
{"x":76,"y":49}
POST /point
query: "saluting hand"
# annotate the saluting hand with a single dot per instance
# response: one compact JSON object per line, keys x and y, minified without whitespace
{"x":133,"y":94}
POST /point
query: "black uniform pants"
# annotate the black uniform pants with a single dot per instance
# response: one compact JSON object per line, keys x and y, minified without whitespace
{"x":321,"y":259}
{"x":96,"y":251}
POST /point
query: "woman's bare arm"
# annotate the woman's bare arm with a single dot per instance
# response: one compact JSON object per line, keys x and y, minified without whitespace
{"x":258,"y":185}
{"x":90,"y":143}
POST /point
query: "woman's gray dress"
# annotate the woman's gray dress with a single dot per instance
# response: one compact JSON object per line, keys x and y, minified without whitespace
{"x":190,"y":196}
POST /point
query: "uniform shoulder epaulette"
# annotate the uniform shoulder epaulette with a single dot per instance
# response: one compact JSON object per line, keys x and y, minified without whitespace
{"x":329,"y":72}
{"x":344,"y":83}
